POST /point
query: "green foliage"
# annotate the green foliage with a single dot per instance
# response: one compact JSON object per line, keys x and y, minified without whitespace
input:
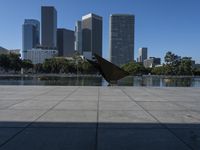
{"x":172,"y":63}
{"x":87,"y":68}
{"x":196,"y":71}
{"x":56,"y":65}
{"x":4,"y":62}
{"x":185,"y":66}
{"x":15,"y":62}
{"x":158,"y":70}
{"x":170,"y":57}
{"x":38,"y":68}
{"x":135,"y":68}
{"x":26,"y":64}
{"x":174,"y":66}
{"x":10,"y":62}
{"x":61,"y":65}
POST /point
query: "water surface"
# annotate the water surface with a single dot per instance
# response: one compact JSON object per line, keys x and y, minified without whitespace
{"x":99,"y":81}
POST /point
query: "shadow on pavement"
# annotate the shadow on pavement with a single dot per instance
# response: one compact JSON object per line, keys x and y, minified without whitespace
{"x":101,"y":136}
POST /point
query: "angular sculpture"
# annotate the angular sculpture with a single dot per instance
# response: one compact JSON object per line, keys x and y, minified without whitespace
{"x":108,"y":70}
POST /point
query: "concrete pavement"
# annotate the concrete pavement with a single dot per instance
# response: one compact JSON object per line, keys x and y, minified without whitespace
{"x":99,"y":118}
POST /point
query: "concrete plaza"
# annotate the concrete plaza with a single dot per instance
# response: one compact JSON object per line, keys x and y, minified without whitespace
{"x":99,"y":118}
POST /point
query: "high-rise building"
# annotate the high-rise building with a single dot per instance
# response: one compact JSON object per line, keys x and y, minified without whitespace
{"x":49,"y":26}
{"x":121,"y":38}
{"x":91,"y":35}
{"x":30,"y":35}
{"x":142,"y":54}
{"x":78,"y":37}
{"x":65,"y":42}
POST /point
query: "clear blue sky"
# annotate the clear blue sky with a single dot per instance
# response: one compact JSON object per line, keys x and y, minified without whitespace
{"x":161,"y":25}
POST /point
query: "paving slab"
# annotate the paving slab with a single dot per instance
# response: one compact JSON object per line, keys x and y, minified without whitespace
{"x":53,"y":139}
{"x":7,"y":133}
{"x":68,"y":116}
{"x":123,"y":116}
{"x":18,"y":118}
{"x":99,"y":118}
{"x":118,"y":105}
{"x":140,"y":139}
{"x":76,"y":105}
{"x":31,"y":104}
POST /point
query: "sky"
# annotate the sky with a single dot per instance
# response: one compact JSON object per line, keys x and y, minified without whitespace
{"x":160,"y":25}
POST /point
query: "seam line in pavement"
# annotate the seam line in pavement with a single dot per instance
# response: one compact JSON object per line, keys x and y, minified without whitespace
{"x":97,"y":123}
{"x":23,"y":100}
{"x":157,"y":119}
{"x":29,"y":124}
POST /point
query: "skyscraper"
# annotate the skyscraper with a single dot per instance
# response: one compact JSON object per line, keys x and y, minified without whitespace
{"x":78,"y":37}
{"x":49,"y":26}
{"x":30,"y":35}
{"x":142,"y":54}
{"x":121,"y":38}
{"x":65,"y":42}
{"x":91,"y":35}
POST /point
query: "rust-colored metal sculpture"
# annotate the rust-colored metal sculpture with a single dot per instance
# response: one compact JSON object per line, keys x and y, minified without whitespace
{"x":108,"y":70}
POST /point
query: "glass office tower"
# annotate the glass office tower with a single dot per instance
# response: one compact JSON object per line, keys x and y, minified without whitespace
{"x":121,"y":38}
{"x":49,"y":26}
{"x":91,"y":35}
{"x":30,"y":35}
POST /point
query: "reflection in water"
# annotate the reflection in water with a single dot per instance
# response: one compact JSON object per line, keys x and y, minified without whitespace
{"x":186,"y":82}
{"x":99,"y":81}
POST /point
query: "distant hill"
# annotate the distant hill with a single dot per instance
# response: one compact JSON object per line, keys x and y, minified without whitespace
{"x":3,"y":50}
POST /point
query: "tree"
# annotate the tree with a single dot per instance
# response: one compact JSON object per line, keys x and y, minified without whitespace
{"x":87,"y":68}
{"x":56,"y":65}
{"x":158,"y":70}
{"x":38,"y":68}
{"x":27,"y":64}
{"x":185,"y":66}
{"x":15,"y":62}
{"x":4,"y":62}
{"x":196,"y":71}
{"x":135,"y":68}
{"x":172,"y":63}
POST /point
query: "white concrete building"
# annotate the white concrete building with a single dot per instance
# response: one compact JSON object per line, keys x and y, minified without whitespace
{"x":38,"y":55}
{"x":78,"y":37}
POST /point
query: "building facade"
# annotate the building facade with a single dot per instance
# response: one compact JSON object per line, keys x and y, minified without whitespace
{"x":65,"y":42}
{"x":38,"y":55}
{"x":92,"y":35}
{"x":49,"y":26}
{"x":121,"y":38}
{"x":151,"y":62}
{"x":3,"y":50}
{"x":143,"y":54}
{"x":78,"y":37}
{"x":15,"y":51}
{"x":30,"y":35}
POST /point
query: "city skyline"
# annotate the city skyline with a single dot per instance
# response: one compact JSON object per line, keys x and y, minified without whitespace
{"x":160,"y":26}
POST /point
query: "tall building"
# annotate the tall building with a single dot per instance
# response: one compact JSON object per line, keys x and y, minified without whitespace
{"x":142,"y":54}
{"x":121,"y":38}
{"x":30,"y":35}
{"x":49,"y":26}
{"x":65,"y":42}
{"x":78,"y":37}
{"x":91,"y":35}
